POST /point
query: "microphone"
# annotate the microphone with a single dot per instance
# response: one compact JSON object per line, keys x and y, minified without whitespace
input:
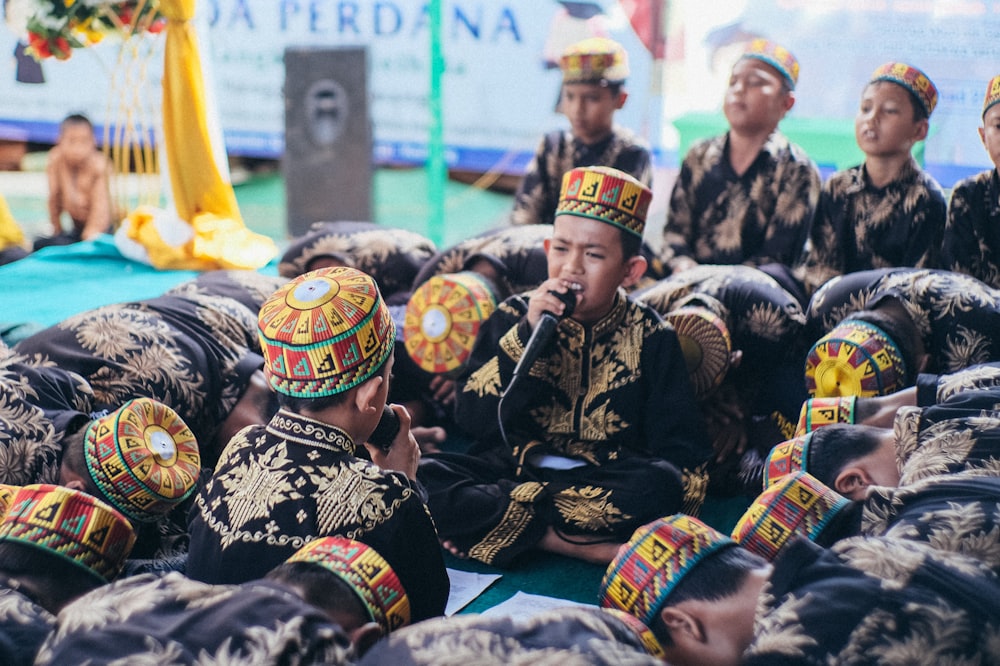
{"x":542,"y":335}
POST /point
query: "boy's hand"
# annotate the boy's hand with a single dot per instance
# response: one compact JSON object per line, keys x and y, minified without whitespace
{"x":542,"y":301}
{"x":404,"y":454}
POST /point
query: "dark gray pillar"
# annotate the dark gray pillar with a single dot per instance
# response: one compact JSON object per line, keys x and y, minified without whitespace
{"x":328,"y":140}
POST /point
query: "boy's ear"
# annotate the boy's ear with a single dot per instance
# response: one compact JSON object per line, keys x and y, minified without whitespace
{"x":920,"y":131}
{"x":366,"y":398}
{"x":852,"y":479}
{"x":684,"y":628}
{"x":620,"y":102}
{"x":635,"y":268}
{"x":982,"y":135}
{"x":789,"y":101}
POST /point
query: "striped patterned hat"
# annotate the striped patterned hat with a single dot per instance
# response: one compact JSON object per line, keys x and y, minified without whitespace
{"x":607,"y":195}
{"x":787,"y":458}
{"x":819,"y":412}
{"x":910,"y":78}
{"x":72,"y":525}
{"x":797,"y":505}
{"x":594,"y":60}
{"x":368,"y":574}
{"x":992,"y":94}
{"x":776,"y":56}
{"x":652,"y":563}
{"x":443,"y":317}
{"x":855,"y":358}
{"x":143,"y":458}
{"x":706,"y":345}
{"x":325,"y":332}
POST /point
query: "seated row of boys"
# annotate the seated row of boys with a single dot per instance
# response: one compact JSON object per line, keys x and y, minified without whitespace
{"x":750,"y":196}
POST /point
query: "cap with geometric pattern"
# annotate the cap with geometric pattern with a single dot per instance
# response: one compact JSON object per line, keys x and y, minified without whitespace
{"x":855,"y":358}
{"x":657,"y":557}
{"x":787,"y":458}
{"x":605,"y":194}
{"x":143,"y":458}
{"x":368,"y":574}
{"x":796,"y":505}
{"x":443,"y":317}
{"x":706,"y":345}
{"x":992,"y":94}
{"x":776,"y":56}
{"x":910,"y":78}
{"x":594,"y":60}
{"x":819,"y":412}
{"x":71,"y":525}
{"x":325,"y":332}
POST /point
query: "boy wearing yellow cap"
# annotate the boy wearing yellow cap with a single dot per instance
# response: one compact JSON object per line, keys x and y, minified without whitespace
{"x":887,"y":211}
{"x":594,"y":72}
{"x":328,"y":339}
{"x":972,"y":234}
{"x":601,"y":431}
{"x":746,"y":196}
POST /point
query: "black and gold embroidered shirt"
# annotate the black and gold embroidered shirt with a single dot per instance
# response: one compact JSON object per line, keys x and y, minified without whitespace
{"x":762,"y":216}
{"x":957,"y":316}
{"x":972,"y":234}
{"x":602,"y":392}
{"x":174,"y":620}
{"x":283,"y":484}
{"x":559,"y":152}
{"x":24,"y":626}
{"x":859,"y":226}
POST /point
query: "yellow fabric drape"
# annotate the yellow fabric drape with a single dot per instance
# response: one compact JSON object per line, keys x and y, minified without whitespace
{"x":10,"y":232}
{"x":201,"y":195}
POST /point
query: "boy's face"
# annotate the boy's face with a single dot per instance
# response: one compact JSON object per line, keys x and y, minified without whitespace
{"x":588,"y":255}
{"x":76,"y":141}
{"x":756,"y":98}
{"x":884,"y":125}
{"x":990,"y":133}
{"x":590,"y":108}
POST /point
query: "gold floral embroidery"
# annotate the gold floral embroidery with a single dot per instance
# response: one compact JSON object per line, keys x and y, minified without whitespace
{"x":589,"y":508}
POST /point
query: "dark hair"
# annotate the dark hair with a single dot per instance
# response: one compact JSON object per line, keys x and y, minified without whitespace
{"x":833,"y":447}
{"x":321,"y":588}
{"x":76,"y":119}
{"x":718,"y":576}
{"x":74,"y":459}
{"x":903,"y":333}
{"x":50,"y":581}
{"x":631,"y":244}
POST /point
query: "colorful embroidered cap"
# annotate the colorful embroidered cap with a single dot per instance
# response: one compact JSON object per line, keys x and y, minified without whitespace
{"x":647,"y":568}
{"x":797,"y":505}
{"x":776,"y":56}
{"x":607,"y":195}
{"x":443,"y":317}
{"x":855,"y":358}
{"x":787,"y":458}
{"x":910,"y":78}
{"x":594,"y":60}
{"x":992,"y":94}
{"x":645,"y":634}
{"x":72,"y":525}
{"x":706,"y":345}
{"x":368,"y":574}
{"x":819,"y":412}
{"x":324,"y":332}
{"x":143,"y":458}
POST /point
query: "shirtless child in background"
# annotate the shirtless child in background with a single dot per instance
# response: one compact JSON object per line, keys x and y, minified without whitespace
{"x":78,"y":185}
